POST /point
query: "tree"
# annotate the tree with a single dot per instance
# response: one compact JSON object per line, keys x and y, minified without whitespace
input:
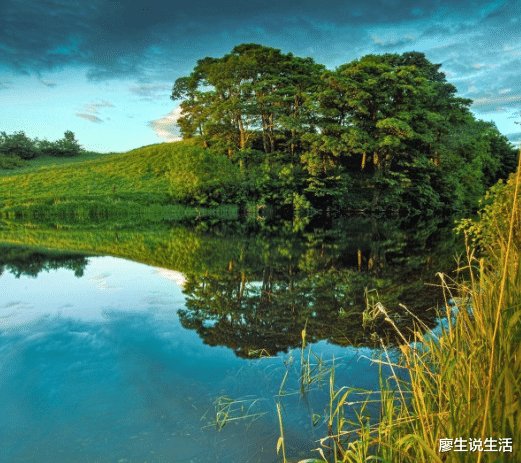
{"x":67,"y":146}
{"x":18,"y":144}
{"x":382,"y":133}
{"x":386,"y":114}
{"x":255,"y":96}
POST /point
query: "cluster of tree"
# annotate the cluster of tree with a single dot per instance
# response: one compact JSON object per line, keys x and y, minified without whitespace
{"x":254,"y":286}
{"x":384,"y":132}
{"x":259,"y":302}
{"x":19,"y":145}
{"x":26,"y":261}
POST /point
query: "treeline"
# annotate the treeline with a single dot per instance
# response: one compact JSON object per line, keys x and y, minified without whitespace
{"x":18,"y":146}
{"x":381,"y":133}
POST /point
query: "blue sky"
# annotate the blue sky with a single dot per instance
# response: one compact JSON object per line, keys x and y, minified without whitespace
{"x":104,"y":68}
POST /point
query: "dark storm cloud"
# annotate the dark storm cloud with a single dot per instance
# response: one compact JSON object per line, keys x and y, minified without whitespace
{"x":481,"y":54}
{"x":159,"y":40}
{"x":124,"y":38}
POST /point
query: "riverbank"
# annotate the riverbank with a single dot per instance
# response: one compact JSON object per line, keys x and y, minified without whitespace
{"x":462,"y":402}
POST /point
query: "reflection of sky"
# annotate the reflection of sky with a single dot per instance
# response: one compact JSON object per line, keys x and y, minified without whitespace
{"x":108,"y":285}
{"x":106,"y":71}
{"x":99,"y":369}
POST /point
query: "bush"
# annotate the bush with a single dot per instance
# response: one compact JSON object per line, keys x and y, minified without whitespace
{"x":494,"y":216}
{"x":65,"y":147}
{"x":18,"y":144}
{"x":10,"y":162}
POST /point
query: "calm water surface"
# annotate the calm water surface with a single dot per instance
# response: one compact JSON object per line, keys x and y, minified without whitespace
{"x":103,"y":359}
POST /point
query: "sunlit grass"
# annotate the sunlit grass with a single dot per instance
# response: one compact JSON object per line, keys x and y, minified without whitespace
{"x":461,"y":381}
{"x":163,"y":173}
{"x":43,"y":161}
{"x":229,"y":410}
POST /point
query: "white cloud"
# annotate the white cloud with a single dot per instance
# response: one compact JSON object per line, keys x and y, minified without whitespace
{"x":497,"y":101}
{"x":172,"y":275}
{"x":151,"y":92}
{"x":90,"y":117}
{"x":166,"y":127}
{"x":91,"y":111}
{"x":94,"y":108}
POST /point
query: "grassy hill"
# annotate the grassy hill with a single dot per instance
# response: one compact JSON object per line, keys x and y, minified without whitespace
{"x":11,"y":164}
{"x":165,"y":173}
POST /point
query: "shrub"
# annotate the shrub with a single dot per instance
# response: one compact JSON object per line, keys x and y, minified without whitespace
{"x":18,"y":144}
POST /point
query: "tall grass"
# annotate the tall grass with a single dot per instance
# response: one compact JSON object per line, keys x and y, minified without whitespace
{"x":460,"y":381}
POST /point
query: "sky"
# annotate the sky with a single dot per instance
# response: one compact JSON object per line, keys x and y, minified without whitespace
{"x":105,"y":68}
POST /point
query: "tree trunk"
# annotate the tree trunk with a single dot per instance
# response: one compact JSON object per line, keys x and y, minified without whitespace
{"x":378,"y":175}
{"x":272,"y":137}
{"x":265,"y":133}
{"x":242,"y":133}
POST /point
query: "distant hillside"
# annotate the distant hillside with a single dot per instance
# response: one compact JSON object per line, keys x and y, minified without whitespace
{"x":157,"y":174}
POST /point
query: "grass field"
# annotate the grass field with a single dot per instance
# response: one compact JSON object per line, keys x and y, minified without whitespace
{"x":50,"y":161}
{"x":157,"y":174}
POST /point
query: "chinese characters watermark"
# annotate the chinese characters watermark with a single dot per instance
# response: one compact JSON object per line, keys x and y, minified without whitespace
{"x":490,"y":444}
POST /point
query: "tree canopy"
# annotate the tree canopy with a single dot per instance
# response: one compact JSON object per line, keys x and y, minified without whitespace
{"x":19,"y":146}
{"x":381,"y":133}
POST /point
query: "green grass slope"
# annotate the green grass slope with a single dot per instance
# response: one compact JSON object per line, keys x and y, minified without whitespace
{"x":166,"y":173}
{"x":13,"y":164}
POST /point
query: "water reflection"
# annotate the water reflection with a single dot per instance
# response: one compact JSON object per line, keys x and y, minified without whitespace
{"x":99,"y":368}
{"x":254,"y":288}
{"x":20,"y":260}
{"x":259,"y":302}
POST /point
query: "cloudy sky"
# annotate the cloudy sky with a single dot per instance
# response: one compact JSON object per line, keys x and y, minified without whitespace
{"x":104,"y":68}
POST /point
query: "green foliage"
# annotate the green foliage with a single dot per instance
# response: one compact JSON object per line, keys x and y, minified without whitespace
{"x":18,"y":144}
{"x":463,"y":379}
{"x":9,"y":162}
{"x":385,"y":115}
{"x":381,"y":134}
{"x":21,"y":146}
{"x":494,"y":216}
{"x":66,"y":146}
{"x":162,"y":174}
{"x":388,"y":125}
{"x":254,"y":95}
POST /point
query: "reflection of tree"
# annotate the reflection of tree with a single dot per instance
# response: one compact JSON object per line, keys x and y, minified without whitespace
{"x":254,"y":287}
{"x":319,"y":281}
{"x":25,"y":261}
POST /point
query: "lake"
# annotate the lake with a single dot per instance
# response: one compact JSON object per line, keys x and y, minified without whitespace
{"x":176,"y":342}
